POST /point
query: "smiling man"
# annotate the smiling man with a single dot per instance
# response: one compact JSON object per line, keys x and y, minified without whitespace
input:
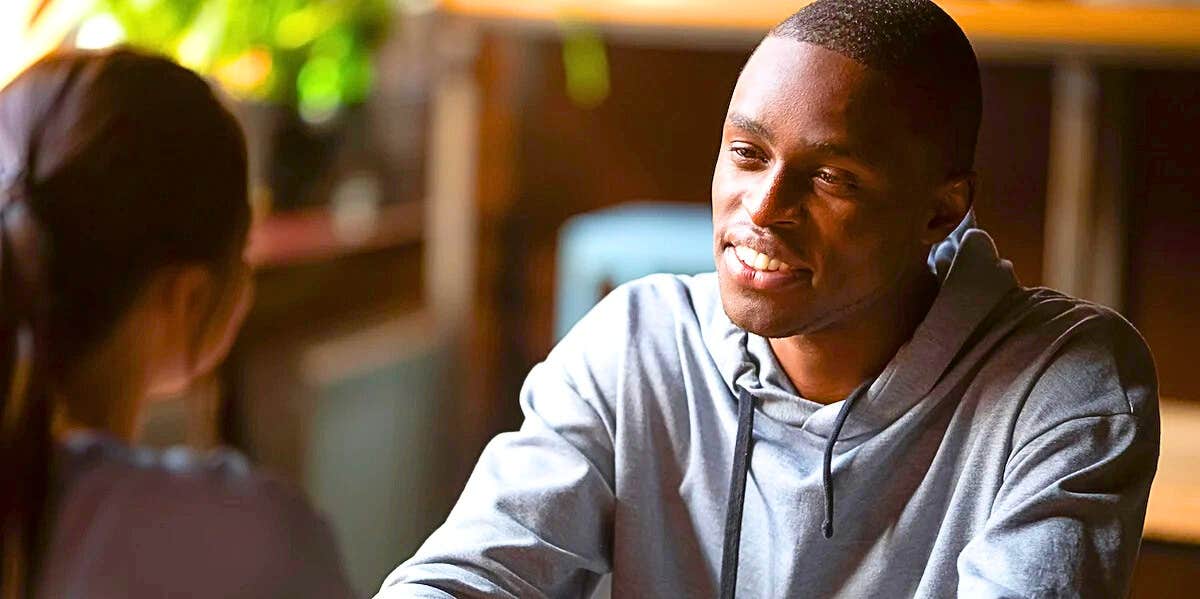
{"x":861,"y":402}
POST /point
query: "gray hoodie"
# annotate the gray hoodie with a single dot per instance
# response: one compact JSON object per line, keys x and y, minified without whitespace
{"x":1007,"y":450}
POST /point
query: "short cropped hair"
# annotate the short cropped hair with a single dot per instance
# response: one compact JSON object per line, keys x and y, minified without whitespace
{"x":917,"y":44}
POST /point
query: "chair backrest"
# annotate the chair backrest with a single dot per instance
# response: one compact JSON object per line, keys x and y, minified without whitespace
{"x":602,"y":249}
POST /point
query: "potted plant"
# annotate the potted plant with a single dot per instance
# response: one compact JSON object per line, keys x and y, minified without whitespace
{"x":298,"y":69}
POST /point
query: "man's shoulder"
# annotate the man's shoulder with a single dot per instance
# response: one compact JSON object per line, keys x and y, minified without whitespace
{"x":1081,"y":360}
{"x":653,"y":320}
{"x":656,"y":303}
{"x":684,"y":293}
{"x":1077,"y":332}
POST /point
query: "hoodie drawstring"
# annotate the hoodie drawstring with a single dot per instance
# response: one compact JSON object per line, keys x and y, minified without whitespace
{"x":737,"y":484}
{"x":737,"y":494}
{"x":827,"y":465}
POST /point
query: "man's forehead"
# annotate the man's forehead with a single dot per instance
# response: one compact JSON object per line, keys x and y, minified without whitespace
{"x":796,"y":87}
{"x":785,"y":76}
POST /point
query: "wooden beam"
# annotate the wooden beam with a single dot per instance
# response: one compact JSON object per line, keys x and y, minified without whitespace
{"x":1069,"y":210}
{"x":1084,"y":252}
{"x":1049,"y":24}
{"x":450,"y":215}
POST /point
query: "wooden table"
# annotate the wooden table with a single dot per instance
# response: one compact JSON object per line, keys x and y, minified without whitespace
{"x":1174,"y":512}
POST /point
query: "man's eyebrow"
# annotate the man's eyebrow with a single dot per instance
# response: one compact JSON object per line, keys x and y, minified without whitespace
{"x":828,"y":147}
{"x":750,"y":125}
{"x":834,"y":148}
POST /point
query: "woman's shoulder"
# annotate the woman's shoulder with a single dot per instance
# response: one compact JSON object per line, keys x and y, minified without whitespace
{"x":183,"y":516}
{"x":98,"y":466}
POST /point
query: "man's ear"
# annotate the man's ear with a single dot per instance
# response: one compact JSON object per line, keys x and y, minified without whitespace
{"x":950,"y":205}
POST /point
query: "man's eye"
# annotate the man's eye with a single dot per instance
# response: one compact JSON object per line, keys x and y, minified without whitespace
{"x":748,"y":153}
{"x":835,"y":181}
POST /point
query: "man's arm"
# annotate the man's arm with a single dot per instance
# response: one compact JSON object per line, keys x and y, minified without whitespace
{"x":535,"y":518}
{"x":1068,"y":519}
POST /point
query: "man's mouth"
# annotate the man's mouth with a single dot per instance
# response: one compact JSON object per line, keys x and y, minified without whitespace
{"x":759,"y":261}
{"x":756,"y":270}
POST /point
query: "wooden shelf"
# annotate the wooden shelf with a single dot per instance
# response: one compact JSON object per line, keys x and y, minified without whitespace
{"x":1050,"y":24}
{"x":318,"y":234}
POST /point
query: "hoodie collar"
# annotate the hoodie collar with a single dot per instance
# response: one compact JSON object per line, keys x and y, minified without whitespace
{"x":973,"y":280}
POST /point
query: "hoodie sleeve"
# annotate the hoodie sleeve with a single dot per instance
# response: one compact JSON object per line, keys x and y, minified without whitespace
{"x":535,"y":518}
{"x":1068,"y":519}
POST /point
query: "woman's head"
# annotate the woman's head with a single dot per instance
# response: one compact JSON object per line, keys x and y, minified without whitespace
{"x":123,"y":217}
{"x":136,"y":174}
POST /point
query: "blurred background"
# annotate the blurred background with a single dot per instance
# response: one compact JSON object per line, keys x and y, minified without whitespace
{"x":442,"y":188}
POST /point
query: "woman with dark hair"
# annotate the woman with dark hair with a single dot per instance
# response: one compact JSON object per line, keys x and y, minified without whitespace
{"x":123,"y":220}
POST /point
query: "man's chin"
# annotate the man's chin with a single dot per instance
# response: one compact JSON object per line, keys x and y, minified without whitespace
{"x":762,"y":319}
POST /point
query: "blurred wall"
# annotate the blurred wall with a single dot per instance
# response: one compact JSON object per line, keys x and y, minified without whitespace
{"x":1163,"y":177}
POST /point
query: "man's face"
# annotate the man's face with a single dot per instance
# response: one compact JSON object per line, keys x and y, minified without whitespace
{"x":822,"y":193}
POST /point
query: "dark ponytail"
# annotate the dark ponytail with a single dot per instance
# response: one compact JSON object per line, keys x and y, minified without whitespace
{"x":26,"y":411}
{"x":112,"y":165}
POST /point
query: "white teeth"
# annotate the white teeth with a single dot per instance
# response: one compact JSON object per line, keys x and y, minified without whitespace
{"x":745,"y":254}
{"x":759,"y":261}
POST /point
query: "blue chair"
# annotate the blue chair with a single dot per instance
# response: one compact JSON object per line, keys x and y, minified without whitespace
{"x":602,"y":249}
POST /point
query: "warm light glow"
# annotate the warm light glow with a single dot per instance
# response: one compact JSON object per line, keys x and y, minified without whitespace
{"x":21,"y":45}
{"x":194,"y":50}
{"x":100,"y":31}
{"x":246,"y":73}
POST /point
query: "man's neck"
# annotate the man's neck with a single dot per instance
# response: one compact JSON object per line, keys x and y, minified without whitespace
{"x":827,"y":365}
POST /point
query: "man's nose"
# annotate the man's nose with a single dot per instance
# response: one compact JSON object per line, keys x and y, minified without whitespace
{"x":775,"y":202}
